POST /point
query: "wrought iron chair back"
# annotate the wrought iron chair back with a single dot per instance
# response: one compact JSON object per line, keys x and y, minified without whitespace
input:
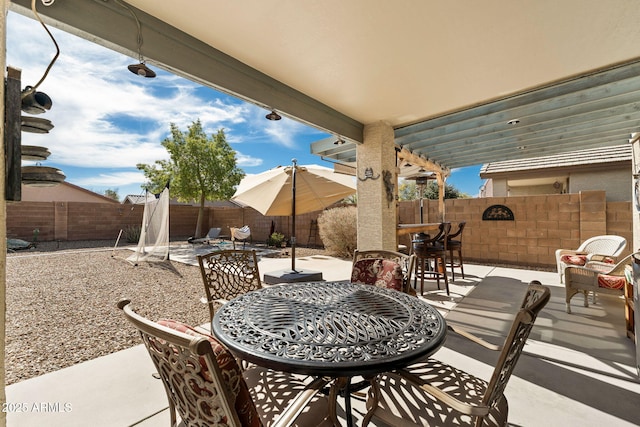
{"x":442,"y":392}
{"x":227,"y":274}
{"x":535,"y":299}
{"x":199,"y":398}
{"x":205,"y":386}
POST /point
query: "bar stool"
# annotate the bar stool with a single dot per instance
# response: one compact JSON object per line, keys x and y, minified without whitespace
{"x":427,"y":249}
{"x":454,"y":244}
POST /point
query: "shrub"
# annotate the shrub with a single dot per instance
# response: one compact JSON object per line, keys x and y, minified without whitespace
{"x":132,"y":233}
{"x":338,"y":230}
{"x":276,"y":239}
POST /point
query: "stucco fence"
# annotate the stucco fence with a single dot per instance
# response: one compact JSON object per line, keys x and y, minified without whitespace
{"x":540,"y":224}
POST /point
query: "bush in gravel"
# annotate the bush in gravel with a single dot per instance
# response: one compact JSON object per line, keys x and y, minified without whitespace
{"x":338,"y":228}
{"x":132,"y":233}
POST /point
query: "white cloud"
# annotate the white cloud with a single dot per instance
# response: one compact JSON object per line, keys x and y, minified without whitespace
{"x":112,"y":179}
{"x":247,"y":161}
{"x":105,"y":117}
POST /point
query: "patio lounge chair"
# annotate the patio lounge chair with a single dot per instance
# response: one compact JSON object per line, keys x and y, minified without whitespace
{"x":434,"y":393}
{"x":597,"y":248}
{"x":383,"y":268}
{"x":212,"y":234}
{"x":205,"y":386}
{"x":596,"y":277}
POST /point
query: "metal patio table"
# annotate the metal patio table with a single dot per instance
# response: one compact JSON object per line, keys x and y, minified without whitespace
{"x":331,"y":329}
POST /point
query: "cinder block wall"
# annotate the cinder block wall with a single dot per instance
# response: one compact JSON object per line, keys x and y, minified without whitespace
{"x":541,"y":224}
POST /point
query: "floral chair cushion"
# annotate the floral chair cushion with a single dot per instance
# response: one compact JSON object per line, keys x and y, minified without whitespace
{"x":574,"y":259}
{"x":383,"y":273}
{"x":611,"y":282}
{"x":231,"y":373}
{"x":583,"y":259}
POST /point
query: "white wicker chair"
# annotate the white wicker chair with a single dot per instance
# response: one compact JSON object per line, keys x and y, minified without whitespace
{"x":590,"y":277}
{"x":596,"y":248}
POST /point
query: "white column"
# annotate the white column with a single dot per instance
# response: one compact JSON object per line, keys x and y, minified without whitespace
{"x":377,"y":188}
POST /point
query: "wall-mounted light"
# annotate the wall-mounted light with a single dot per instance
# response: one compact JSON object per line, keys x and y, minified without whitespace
{"x":273,"y":116}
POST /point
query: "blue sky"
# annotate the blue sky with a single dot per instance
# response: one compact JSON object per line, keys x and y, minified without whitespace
{"x":106,"y":119}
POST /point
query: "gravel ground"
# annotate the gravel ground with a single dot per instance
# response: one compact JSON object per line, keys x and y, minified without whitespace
{"x":61,"y":303}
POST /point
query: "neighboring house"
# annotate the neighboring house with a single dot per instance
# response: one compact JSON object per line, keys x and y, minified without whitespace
{"x":607,"y":169}
{"x":63,"y":192}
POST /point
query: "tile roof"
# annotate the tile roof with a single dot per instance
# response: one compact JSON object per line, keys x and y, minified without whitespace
{"x":619,"y":153}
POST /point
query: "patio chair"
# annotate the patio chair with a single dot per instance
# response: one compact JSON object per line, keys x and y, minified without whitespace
{"x":241,"y":234}
{"x":435,"y":248}
{"x":383,"y":268}
{"x":205,"y":386}
{"x":434,"y":393}
{"x":597,"y":248}
{"x":227,"y":274}
{"x":212,"y":234}
{"x":596,"y":277}
{"x":454,"y":244}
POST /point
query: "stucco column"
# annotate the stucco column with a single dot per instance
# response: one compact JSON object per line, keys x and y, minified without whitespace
{"x":377,"y":188}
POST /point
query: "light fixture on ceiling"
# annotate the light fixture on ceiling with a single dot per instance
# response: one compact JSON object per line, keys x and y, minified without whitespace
{"x":513,"y":122}
{"x":140,"y":69}
{"x":34,"y":102}
{"x":339,"y":141}
{"x":273,"y":116}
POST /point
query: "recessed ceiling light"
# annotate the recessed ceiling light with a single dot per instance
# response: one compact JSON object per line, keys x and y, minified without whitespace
{"x":513,"y":122}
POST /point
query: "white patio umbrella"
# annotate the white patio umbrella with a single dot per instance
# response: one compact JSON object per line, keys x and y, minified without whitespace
{"x":292,"y":190}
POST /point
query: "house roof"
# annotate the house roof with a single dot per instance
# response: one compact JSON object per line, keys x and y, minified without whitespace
{"x":63,"y":192}
{"x":591,"y":157}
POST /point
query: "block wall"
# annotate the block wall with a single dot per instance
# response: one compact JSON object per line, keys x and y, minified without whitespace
{"x":541,"y":224}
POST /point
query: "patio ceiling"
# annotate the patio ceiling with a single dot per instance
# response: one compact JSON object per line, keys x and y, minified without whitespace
{"x":448,"y":76}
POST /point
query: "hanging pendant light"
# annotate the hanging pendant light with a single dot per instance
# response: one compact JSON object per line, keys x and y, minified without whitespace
{"x":141,"y":68}
{"x":34,"y":102}
{"x":273,"y":116}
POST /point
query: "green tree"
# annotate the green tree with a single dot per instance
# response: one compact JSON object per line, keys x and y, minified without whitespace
{"x":408,"y":190}
{"x":199,"y":168}
{"x":112,"y":194}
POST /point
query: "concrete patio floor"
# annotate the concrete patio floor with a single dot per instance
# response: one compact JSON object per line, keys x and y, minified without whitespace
{"x":577,"y":369}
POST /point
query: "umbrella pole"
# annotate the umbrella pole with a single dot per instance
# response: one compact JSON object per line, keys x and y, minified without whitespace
{"x":293,"y":216}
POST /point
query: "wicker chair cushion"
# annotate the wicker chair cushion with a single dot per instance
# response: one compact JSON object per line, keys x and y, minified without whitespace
{"x":574,"y":259}
{"x":231,"y":373}
{"x":611,"y":282}
{"x":383,"y":273}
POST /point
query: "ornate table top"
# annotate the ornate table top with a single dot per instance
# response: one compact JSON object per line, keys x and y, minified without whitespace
{"x":330,"y":328}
